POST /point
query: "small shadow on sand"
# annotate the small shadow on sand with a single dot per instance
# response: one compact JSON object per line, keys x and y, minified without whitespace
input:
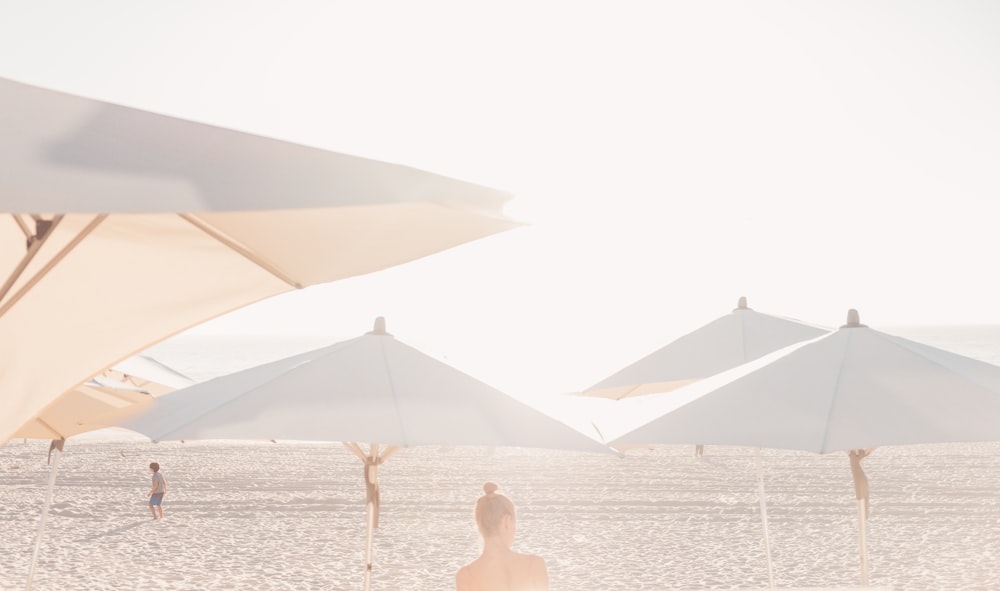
{"x":117,"y":530}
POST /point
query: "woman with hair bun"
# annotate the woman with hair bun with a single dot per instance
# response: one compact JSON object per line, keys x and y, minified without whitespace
{"x":500,"y":568}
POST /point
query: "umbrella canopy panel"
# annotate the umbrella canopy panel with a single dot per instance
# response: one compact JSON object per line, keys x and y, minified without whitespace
{"x":120,"y":228}
{"x":60,"y":149}
{"x":370,"y":389}
{"x":69,"y":414}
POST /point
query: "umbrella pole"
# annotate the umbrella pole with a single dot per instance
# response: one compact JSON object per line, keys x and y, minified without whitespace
{"x":763,"y":518}
{"x":371,"y":499}
{"x":56,"y":446}
{"x":371,"y":461}
{"x":862,"y":543}
{"x":370,"y":541}
{"x":861,"y":493}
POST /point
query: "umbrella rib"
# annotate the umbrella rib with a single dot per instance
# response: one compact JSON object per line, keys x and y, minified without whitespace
{"x":392,"y":388}
{"x":242,"y":250}
{"x":22,"y":225}
{"x":743,"y":337}
{"x":388,"y":451}
{"x":836,"y":388}
{"x":7,"y":305}
{"x":51,"y":429}
{"x":356,"y":450}
{"x":35,"y":244}
{"x":604,"y":439}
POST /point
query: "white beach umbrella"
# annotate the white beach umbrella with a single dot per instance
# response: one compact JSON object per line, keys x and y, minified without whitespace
{"x":135,"y":226}
{"x":374,"y":389}
{"x":728,"y":341}
{"x":724,"y":343}
{"x":850,"y":390}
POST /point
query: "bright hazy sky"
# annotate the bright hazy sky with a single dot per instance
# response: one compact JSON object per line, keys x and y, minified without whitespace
{"x":669,"y":157}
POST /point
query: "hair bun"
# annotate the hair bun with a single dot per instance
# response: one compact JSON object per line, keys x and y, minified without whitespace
{"x":490,"y":488}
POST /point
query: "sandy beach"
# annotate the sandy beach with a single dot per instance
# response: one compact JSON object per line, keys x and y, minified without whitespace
{"x":290,"y":516}
{"x":556,"y":199}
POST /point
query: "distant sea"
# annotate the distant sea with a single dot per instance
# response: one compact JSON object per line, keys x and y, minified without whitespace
{"x":203,"y":357}
{"x":977,"y":341}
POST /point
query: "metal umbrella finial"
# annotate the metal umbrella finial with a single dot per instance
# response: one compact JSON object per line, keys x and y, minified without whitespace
{"x":853,"y":320}
{"x":379,"y":326}
{"x":742,"y":304}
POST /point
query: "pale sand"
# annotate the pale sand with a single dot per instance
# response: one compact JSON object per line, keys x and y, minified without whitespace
{"x":291,"y":516}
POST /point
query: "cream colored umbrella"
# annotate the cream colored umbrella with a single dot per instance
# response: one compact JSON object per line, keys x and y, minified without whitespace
{"x":135,"y":226}
{"x":373,"y":388}
{"x":102,"y":400}
{"x":86,"y":407}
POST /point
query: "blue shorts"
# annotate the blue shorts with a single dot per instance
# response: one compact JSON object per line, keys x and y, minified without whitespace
{"x":155,"y":499}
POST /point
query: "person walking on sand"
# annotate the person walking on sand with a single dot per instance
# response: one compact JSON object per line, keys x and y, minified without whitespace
{"x":500,"y":568}
{"x":156,"y":493}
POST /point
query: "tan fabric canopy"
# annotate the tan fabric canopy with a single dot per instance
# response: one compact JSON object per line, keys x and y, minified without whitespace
{"x":103,"y":399}
{"x":120,"y":228}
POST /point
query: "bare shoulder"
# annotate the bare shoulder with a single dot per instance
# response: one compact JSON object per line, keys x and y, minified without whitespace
{"x":462,"y":578}
{"x":537,"y":573}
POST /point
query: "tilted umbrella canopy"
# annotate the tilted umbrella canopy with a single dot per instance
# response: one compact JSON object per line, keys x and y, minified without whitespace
{"x":136,"y":226}
{"x":76,"y":411}
{"x":850,"y":389}
{"x":728,"y":341}
{"x":147,"y":374}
